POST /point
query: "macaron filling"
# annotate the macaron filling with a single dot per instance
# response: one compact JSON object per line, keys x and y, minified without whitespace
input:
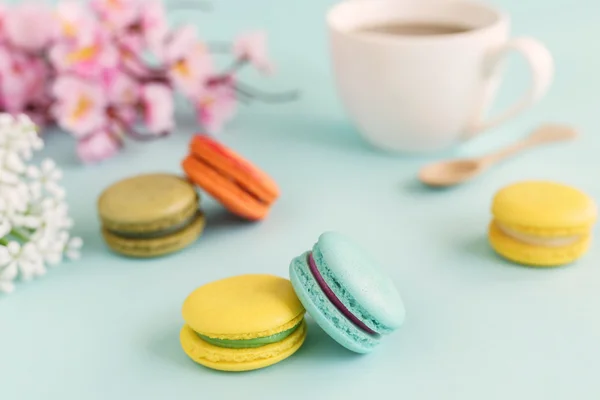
{"x":236,"y":182}
{"x":160,"y":233}
{"x":250,"y":343}
{"x":556,"y":241}
{"x":333,"y":298}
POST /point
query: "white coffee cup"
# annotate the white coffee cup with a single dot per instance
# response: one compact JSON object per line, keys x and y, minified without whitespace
{"x":410,"y":93}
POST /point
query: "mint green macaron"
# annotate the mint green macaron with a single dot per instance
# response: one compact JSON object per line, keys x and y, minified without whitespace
{"x":347,"y":292}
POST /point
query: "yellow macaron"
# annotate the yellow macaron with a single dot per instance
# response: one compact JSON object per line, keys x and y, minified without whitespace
{"x":243,"y":323}
{"x":542,"y":223}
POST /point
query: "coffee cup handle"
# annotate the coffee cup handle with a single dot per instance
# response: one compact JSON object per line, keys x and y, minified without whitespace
{"x":541,"y":66}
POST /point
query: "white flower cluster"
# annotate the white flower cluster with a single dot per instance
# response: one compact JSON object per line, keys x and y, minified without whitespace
{"x":34,"y":219}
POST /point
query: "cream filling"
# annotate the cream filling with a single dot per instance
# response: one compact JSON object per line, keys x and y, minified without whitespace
{"x":558,"y":241}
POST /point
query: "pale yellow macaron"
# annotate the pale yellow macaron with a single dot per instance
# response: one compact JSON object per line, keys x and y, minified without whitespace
{"x":542,"y":223}
{"x":243,"y":323}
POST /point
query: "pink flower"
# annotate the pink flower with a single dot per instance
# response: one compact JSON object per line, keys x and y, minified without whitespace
{"x":24,"y":79}
{"x":216,"y":105}
{"x":154,"y":24}
{"x":148,"y":31}
{"x":98,"y":147}
{"x":123,"y":93}
{"x":132,"y":63}
{"x":189,"y":62}
{"x":86,"y":58}
{"x":158,"y":108}
{"x":122,"y":90}
{"x":80,"y":105}
{"x":117,"y":14}
{"x":74,"y":22}
{"x":252,"y":47}
{"x":29,"y":26}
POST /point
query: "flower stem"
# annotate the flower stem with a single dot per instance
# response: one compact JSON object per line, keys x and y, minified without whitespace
{"x":140,"y":137}
{"x":242,"y":98}
{"x":149,"y":73}
{"x":19,"y":234}
{"x":253,"y":93}
{"x":226,"y":75}
{"x":130,"y":131}
{"x":236,"y":66}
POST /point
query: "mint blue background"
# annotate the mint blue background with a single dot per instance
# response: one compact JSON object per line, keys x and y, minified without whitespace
{"x":477,"y":327}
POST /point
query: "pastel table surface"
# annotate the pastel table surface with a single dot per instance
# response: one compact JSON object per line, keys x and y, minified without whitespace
{"x":477,"y":327}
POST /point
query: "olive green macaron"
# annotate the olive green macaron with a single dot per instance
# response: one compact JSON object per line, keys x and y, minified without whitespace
{"x":150,"y":215}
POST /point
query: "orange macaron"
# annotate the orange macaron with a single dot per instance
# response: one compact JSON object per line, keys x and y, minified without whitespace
{"x":238,"y":185}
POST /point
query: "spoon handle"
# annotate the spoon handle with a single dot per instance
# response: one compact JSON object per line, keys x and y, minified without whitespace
{"x":545,"y":134}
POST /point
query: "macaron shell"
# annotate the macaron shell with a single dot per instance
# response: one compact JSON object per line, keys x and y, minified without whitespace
{"x":359,"y":281}
{"x":235,"y":166}
{"x":327,"y":316}
{"x":146,"y":248}
{"x":537,"y":256}
{"x":243,"y":307}
{"x":543,"y":204}
{"x":225,"y":191}
{"x":147,"y":203}
{"x":226,"y":359}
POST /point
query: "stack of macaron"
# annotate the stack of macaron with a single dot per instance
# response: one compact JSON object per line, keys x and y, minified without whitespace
{"x":542,"y":223}
{"x":238,"y":185}
{"x":253,"y":321}
{"x":150,"y":215}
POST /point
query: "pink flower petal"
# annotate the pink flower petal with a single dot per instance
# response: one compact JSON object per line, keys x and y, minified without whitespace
{"x":216,"y":106}
{"x":190,"y":63}
{"x":74,"y":22}
{"x":118,"y":14}
{"x":253,"y":48}
{"x":121,"y":88}
{"x":180,"y":44}
{"x":133,"y":42}
{"x":80,"y":105}
{"x":24,"y":80}
{"x":98,"y":147}
{"x":159,"y":108}
{"x":127,"y":116}
{"x":30,"y":26}
{"x":89,"y":60}
{"x":154,"y":25}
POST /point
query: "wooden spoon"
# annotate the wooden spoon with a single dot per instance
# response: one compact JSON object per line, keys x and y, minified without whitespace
{"x":453,"y":172}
